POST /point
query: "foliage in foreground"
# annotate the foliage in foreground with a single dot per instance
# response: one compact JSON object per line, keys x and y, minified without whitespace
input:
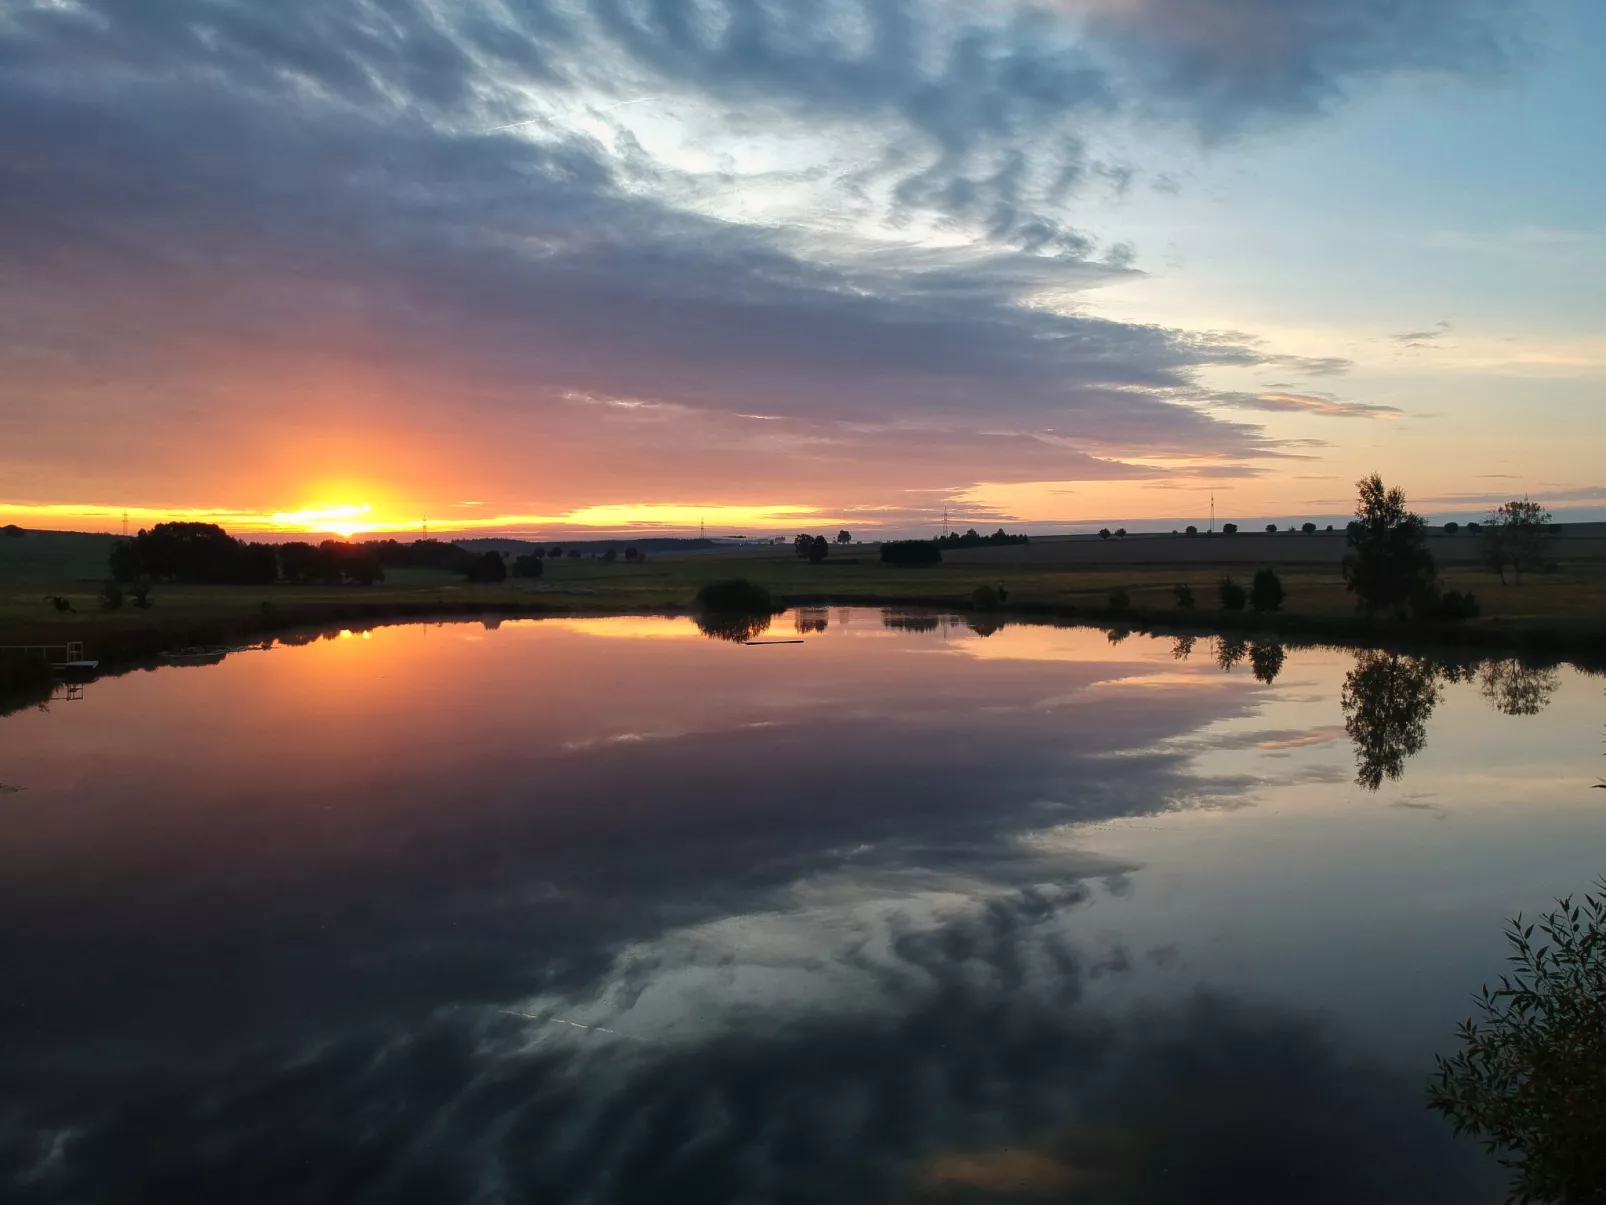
{"x":1530,"y":1079}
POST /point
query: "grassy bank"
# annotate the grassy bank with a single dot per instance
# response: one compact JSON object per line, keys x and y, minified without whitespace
{"x":1561,"y":614}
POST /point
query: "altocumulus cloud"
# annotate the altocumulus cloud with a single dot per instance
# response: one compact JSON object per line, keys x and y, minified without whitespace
{"x":196,"y":193}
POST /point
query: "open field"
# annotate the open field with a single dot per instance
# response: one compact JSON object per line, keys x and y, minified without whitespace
{"x":1069,"y":578}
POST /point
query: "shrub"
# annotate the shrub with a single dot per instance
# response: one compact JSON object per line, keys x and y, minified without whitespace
{"x":1191,"y":530}
{"x":1231,"y":594}
{"x":529,"y":565}
{"x":1104,"y":533}
{"x":630,"y":554}
{"x":1309,"y":529}
{"x":1119,"y":601}
{"x":984,"y":598}
{"x":1184,"y":596}
{"x":1453,"y":606}
{"x":910,"y":552}
{"x":610,"y":555}
{"x":735,"y":596}
{"x":1120,"y":533}
{"x":1271,"y":529}
{"x":1266,"y":591}
{"x":1529,"y":1081}
{"x":1229,"y":529}
{"x":1451,"y":528}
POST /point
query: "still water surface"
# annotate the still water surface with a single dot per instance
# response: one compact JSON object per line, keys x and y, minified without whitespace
{"x":605,"y":911}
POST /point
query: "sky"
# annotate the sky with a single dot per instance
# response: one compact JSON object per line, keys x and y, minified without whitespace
{"x":564,"y":266}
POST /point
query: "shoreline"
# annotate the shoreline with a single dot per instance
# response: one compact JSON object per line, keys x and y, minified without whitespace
{"x":120,"y":648}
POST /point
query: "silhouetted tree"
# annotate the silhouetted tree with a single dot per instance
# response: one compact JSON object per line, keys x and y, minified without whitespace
{"x":1231,"y":594}
{"x":1529,"y":1081}
{"x":1387,"y":699}
{"x":557,"y":551}
{"x":1182,"y":647}
{"x":630,"y":554}
{"x":528,"y":565}
{"x":734,"y":610}
{"x":610,"y":555}
{"x":1271,"y":529}
{"x":198,"y":553}
{"x":844,"y":536}
{"x":1451,"y":528}
{"x":803,"y":546}
{"x":1184,"y":596}
{"x":487,"y":567}
{"x":1517,"y":534}
{"x":984,"y":598}
{"x":1229,"y":529}
{"x":1190,"y":530}
{"x":1120,"y":533}
{"x":1104,"y":533}
{"x":1308,"y":528}
{"x":1266,"y":660}
{"x":1119,"y":601}
{"x":1388,"y":566}
{"x":1266,"y":591}
{"x":123,"y":561}
{"x":111,"y":596}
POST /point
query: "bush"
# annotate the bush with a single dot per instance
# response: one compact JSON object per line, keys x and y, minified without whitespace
{"x":1184,"y":597}
{"x":735,"y":596}
{"x":1190,"y":530}
{"x":531,"y":564}
{"x":1271,"y":529}
{"x":1231,"y":594}
{"x":1229,"y":529}
{"x":1119,"y":602}
{"x":630,"y":554}
{"x":1451,"y":528}
{"x":1120,"y":533}
{"x":1266,"y":591}
{"x":1453,"y":606}
{"x":910,"y":552}
{"x":1529,"y":1081}
{"x":1309,"y":529}
{"x":610,"y":555}
{"x":1104,"y":533}
{"x":984,"y":598}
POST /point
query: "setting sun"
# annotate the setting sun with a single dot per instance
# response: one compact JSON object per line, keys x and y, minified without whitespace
{"x":344,"y":521}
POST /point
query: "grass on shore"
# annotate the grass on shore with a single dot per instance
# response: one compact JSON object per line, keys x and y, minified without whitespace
{"x":1569,"y":605}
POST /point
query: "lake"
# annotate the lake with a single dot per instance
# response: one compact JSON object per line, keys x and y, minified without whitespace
{"x":603,"y":910}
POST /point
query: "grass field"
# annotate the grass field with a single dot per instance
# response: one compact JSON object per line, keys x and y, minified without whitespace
{"x":1570,"y":602}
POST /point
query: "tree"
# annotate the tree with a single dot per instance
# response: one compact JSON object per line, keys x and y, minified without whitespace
{"x":1529,"y":1081}
{"x":844,"y":536}
{"x":1266,"y":661}
{"x":1266,"y":591}
{"x":529,"y":565}
{"x":12,"y":532}
{"x":803,"y":546}
{"x":610,"y":555}
{"x":818,"y":550}
{"x":111,"y":596}
{"x":488,"y":567}
{"x":1104,"y":533}
{"x":1229,"y":529}
{"x":630,"y":554}
{"x":1191,"y":530}
{"x":1231,"y":594}
{"x":1184,"y":596}
{"x":1120,"y":533}
{"x":557,"y":551}
{"x":1517,"y":534}
{"x":1271,"y":529}
{"x":1388,"y":565}
{"x":1451,"y":527}
{"x":1230,"y":650}
{"x":1119,"y":601}
{"x":1308,"y":528}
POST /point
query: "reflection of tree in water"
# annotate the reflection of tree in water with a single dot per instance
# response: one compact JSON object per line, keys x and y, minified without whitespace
{"x":1387,"y":700}
{"x":1116,"y":635}
{"x":1183,"y":648}
{"x":733,"y":627}
{"x":811,"y":619}
{"x":983,"y":625}
{"x":1517,"y":689}
{"x":1266,"y":660}
{"x":903,"y":621}
{"x":1230,"y":650}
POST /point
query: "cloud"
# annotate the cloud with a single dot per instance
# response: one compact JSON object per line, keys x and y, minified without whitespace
{"x":225,"y":220}
{"x":1423,"y":337}
{"x":1319,"y":405}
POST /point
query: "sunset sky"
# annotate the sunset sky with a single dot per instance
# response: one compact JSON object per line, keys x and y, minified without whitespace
{"x":549,"y":267}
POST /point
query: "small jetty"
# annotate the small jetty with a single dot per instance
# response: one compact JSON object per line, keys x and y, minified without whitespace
{"x":67,"y":659}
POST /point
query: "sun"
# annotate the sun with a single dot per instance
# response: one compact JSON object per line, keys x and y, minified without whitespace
{"x":344,"y":521}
